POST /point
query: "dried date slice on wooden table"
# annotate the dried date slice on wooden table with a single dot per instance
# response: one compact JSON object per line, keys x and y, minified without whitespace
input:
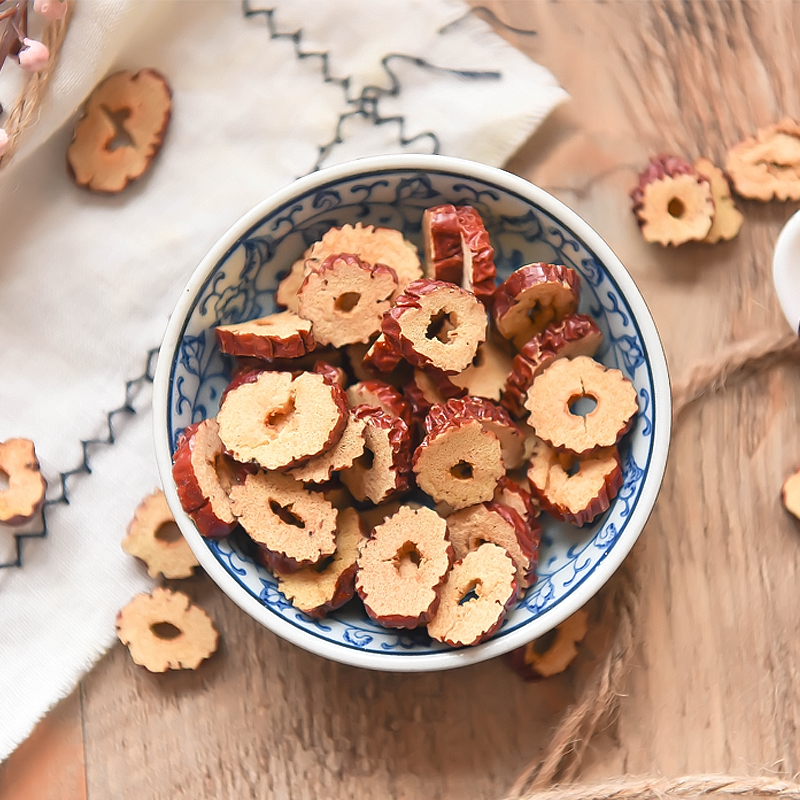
{"x":672,"y":202}
{"x":154,"y":538}
{"x":163,"y":630}
{"x":475,"y":597}
{"x":401,"y":567}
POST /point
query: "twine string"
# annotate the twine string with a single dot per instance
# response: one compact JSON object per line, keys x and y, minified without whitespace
{"x":25,"y":111}
{"x":550,"y":776}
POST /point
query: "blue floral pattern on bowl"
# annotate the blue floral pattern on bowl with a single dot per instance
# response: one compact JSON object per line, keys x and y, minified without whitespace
{"x":243,"y":284}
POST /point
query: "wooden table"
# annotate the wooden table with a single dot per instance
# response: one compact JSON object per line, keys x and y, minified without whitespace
{"x":714,"y":685}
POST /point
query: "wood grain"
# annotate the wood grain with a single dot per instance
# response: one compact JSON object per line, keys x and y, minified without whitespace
{"x":715,"y":685}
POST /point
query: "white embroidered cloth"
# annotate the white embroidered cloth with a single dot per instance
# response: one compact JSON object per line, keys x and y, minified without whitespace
{"x":87,"y":282}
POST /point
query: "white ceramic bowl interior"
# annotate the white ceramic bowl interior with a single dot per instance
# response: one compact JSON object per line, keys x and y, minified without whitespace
{"x":236,"y":281}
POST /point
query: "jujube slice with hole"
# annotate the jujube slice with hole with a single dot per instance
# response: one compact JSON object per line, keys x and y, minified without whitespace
{"x":512,"y":494}
{"x":372,"y":245}
{"x":138,"y":626}
{"x":170,"y":558}
{"x":202,"y":474}
{"x":575,"y":335}
{"x":436,"y":324}
{"x":553,"y":652}
{"x":672,"y":202}
{"x":426,"y":388}
{"x":459,"y":463}
{"x":281,"y":335}
{"x":385,"y":468}
{"x":24,"y":495}
{"x":340,"y":457}
{"x":278,"y":420}
{"x":767,"y":165}
{"x":493,"y":419}
{"x":401,"y":567}
{"x":488,"y":573}
{"x":345,"y":299}
{"x":493,"y":522}
{"x":294,"y":527}
{"x":532,"y":297}
{"x":727,"y":218}
{"x":574,"y":489}
{"x":317,"y":591}
{"x":565,"y":381}
{"x":140,"y":103}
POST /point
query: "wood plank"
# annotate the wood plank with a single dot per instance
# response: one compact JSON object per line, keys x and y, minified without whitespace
{"x":49,"y":764}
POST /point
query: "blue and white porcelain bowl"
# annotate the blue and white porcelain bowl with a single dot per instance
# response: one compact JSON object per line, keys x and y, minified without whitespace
{"x":237,"y":280}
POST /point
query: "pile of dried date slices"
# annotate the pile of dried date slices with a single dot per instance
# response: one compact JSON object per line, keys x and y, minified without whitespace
{"x":395,"y":437}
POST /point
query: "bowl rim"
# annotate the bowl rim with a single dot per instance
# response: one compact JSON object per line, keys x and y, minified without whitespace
{"x":662,"y":415}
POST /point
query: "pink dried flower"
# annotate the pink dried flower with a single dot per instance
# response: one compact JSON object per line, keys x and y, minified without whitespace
{"x":3,"y":141}
{"x":50,"y":9}
{"x":33,"y":56}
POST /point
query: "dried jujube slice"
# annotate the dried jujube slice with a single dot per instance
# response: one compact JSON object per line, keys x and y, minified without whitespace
{"x":380,"y":395}
{"x":385,"y":467}
{"x":140,"y":625}
{"x":401,"y":567}
{"x":145,"y":99}
{"x":444,"y":258}
{"x":767,"y":165}
{"x":286,"y":293}
{"x":341,"y":456}
{"x":462,"y":619}
{"x":727,"y":218}
{"x":510,"y":493}
{"x":277,"y":420}
{"x":436,"y":324}
{"x":574,"y":489}
{"x":331,"y":373}
{"x":575,"y":335}
{"x":672,"y":202}
{"x":345,"y":299}
{"x":532,"y":297}
{"x":492,"y":522}
{"x":553,"y":393}
{"x":486,"y":375}
{"x":479,"y":271}
{"x":493,"y":418}
{"x":553,"y":652}
{"x":281,"y":335}
{"x":373,"y":245}
{"x":293,"y":527}
{"x":427,"y":387}
{"x":316,"y":591}
{"x":383,"y":355}
{"x":354,"y":360}
{"x":202,"y":474}
{"x":459,"y":463}
{"x":169,"y":555}
{"x":21,"y":500}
